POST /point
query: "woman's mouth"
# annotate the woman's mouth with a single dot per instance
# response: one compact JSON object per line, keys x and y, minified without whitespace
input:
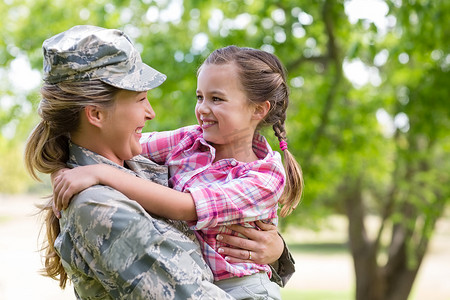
{"x":138,"y":130}
{"x":207,"y":124}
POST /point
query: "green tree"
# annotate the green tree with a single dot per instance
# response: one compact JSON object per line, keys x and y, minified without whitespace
{"x":374,"y":147}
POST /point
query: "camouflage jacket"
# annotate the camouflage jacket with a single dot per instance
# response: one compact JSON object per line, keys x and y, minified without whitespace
{"x":112,"y":248}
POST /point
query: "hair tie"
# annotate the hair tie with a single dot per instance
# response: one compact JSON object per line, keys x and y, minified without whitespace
{"x":283,"y":145}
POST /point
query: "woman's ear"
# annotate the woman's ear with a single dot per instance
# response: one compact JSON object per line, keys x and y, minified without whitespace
{"x":95,"y":115}
{"x":261,"y":110}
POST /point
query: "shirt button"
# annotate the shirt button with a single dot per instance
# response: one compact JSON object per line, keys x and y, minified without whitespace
{"x":233,"y":163}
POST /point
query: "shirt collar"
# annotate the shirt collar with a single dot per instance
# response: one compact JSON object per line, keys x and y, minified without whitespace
{"x":260,"y":146}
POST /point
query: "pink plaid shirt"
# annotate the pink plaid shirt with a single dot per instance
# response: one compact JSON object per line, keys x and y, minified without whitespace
{"x":225,"y":192}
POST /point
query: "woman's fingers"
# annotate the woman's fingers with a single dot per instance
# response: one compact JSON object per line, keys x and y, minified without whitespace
{"x":262,"y":246}
{"x":266,"y":226}
{"x":245,"y":231}
{"x":255,"y":234}
{"x":233,"y":255}
{"x":239,"y":242}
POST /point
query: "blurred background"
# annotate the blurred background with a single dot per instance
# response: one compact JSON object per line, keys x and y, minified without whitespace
{"x":368,"y":121}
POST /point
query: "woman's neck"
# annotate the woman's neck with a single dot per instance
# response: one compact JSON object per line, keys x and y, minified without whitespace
{"x":91,"y":141}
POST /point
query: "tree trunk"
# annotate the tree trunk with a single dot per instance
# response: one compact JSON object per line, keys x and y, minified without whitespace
{"x":395,"y":280}
{"x":399,"y":288}
{"x":369,"y":282}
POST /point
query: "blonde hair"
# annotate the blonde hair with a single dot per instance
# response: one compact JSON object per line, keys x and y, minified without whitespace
{"x":47,"y":147}
{"x":263,"y":77}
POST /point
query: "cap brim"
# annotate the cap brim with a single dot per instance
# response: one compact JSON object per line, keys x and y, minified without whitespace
{"x":142,"y":78}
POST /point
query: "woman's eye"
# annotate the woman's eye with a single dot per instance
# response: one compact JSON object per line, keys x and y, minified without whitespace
{"x":199,"y":98}
{"x":216,"y":99}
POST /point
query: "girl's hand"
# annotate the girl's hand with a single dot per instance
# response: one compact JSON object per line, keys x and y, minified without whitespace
{"x":68,"y":182}
{"x":263,"y":246}
{"x":56,"y":212}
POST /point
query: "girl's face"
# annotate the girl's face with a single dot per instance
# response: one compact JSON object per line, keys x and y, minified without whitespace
{"x":123,"y":125}
{"x":222,"y":110}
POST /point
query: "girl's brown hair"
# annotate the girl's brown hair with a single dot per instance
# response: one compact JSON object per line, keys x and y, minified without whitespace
{"x":263,"y":77}
{"x":47,"y":148}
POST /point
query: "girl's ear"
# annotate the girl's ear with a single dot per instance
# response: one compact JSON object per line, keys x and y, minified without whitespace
{"x":95,"y":115}
{"x":261,"y":110}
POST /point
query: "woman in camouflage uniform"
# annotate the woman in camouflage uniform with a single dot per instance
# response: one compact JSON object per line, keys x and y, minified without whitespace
{"x":93,"y":108}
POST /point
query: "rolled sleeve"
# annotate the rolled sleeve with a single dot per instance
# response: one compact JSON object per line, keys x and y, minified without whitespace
{"x":283,"y":268}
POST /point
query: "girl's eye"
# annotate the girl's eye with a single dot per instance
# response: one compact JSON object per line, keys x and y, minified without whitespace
{"x":215,"y":99}
{"x":199,"y":98}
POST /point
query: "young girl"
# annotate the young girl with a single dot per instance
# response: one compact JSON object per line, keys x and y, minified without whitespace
{"x":222,"y":170}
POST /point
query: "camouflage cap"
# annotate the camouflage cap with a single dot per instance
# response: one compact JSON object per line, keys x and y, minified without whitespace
{"x":86,"y":52}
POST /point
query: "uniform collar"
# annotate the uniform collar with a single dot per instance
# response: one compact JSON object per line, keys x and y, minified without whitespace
{"x":138,"y":165}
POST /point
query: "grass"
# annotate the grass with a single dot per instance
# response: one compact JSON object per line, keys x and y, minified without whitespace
{"x":291,"y":294}
{"x":319,"y":248}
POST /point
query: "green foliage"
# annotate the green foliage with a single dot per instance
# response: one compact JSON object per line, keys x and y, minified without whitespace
{"x":12,"y":169}
{"x":332,"y":127}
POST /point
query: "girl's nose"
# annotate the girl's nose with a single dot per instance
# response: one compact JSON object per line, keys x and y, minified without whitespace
{"x":202,"y":107}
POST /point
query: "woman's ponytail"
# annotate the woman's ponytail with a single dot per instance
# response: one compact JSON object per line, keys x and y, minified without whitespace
{"x":47,"y":148}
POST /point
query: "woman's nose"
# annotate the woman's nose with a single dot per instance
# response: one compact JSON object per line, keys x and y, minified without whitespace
{"x":149,"y":112}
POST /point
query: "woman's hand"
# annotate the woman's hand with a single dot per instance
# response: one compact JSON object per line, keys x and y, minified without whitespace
{"x":263,"y":246}
{"x":68,"y":182}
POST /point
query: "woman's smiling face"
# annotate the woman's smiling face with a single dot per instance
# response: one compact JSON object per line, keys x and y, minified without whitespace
{"x":123,"y":125}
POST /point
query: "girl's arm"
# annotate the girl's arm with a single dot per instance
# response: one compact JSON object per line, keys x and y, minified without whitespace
{"x":154,"y":198}
{"x":209,"y":205}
